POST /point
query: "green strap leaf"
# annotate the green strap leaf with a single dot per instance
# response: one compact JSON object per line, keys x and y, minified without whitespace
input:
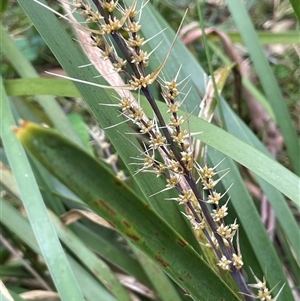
{"x":120,"y":206}
{"x":296,"y":8}
{"x":51,"y":248}
{"x":96,"y":265}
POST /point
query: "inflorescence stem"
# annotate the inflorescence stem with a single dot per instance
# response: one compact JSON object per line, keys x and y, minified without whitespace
{"x":179,"y":167}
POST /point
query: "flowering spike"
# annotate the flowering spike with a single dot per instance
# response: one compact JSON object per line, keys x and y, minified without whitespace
{"x":169,"y":149}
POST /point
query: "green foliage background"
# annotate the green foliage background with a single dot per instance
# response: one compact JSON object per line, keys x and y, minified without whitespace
{"x":159,"y":241}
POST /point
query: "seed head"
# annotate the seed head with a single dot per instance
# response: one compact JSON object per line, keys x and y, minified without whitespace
{"x":133,"y":27}
{"x":174,"y":166}
{"x":125,"y":104}
{"x":224,"y":263}
{"x":157,"y":140}
{"x":136,"y":41}
{"x":180,"y":137}
{"x":110,"y":5}
{"x":141,"y":82}
{"x":173,"y":181}
{"x":214,"y":198}
{"x":237,"y":261}
{"x":141,"y":58}
{"x":186,"y":196}
{"x":113,"y":25}
{"x":176,"y":122}
{"x":146,"y":127}
{"x":218,"y":214}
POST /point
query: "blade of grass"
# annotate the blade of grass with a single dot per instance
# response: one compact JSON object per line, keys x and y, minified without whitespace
{"x":45,"y":183}
{"x":105,"y":247}
{"x":161,"y":283}
{"x":276,"y":199}
{"x":95,"y":265}
{"x":48,"y":241}
{"x":268,"y":38}
{"x":296,"y":8}
{"x":87,"y":281}
{"x":24,"y":107}
{"x":208,"y":59}
{"x":41,"y":86}
{"x":293,"y":265}
{"x":42,"y":177}
{"x":267,"y":79}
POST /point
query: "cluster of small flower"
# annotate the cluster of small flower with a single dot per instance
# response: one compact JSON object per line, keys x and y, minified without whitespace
{"x":169,"y":140}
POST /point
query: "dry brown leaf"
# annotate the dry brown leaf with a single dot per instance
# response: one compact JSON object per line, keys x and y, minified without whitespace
{"x":74,"y":215}
{"x":131,"y":283}
{"x":40,"y":295}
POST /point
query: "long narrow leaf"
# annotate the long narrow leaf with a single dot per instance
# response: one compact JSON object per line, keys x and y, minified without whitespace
{"x":276,"y":199}
{"x":96,"y":266}
{"x":48,"y":241}
{"x":296,"y":7}
{"x":106,"y":195}
{"x":159,"y":279}
{"x":41,"y":86}
{"x":106,"y":247}
{"x":267,"y":79}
